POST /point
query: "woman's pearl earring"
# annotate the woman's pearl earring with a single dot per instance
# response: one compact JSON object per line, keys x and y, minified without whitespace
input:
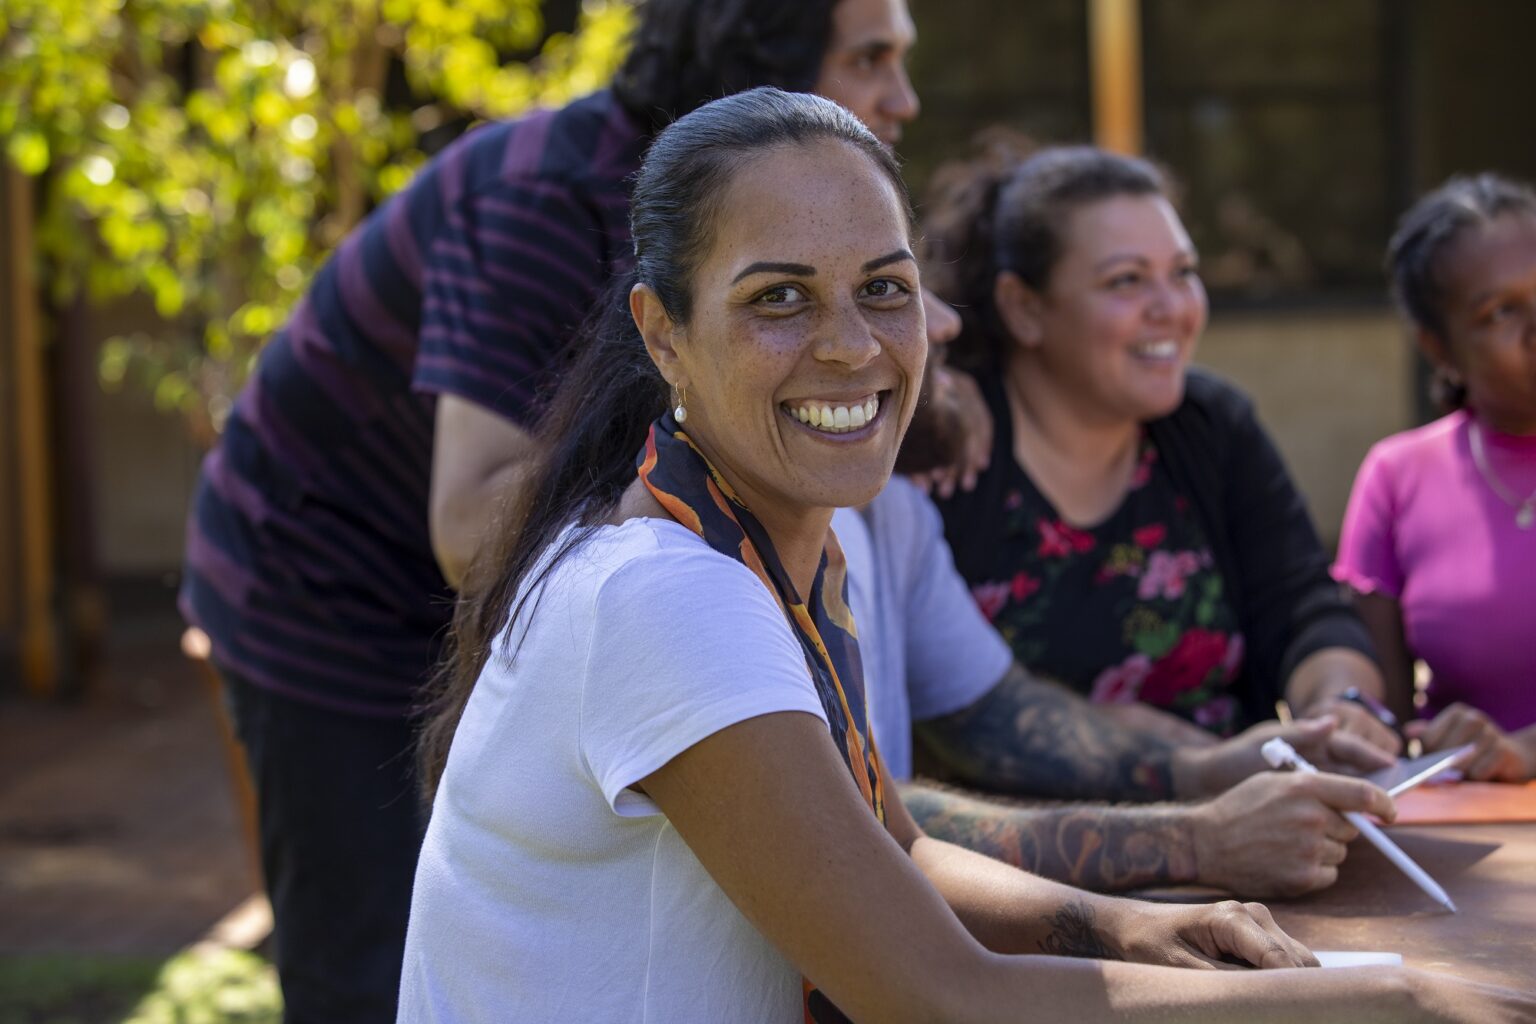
{"x":681,"y":412}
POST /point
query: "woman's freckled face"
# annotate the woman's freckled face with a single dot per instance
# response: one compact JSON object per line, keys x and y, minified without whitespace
{"x":808,"y":298}
{"x":1124,"y":308}
{"x":1488,"y":282}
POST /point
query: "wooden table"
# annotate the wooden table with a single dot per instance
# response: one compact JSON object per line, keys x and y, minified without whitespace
{"x":1489,"y":872}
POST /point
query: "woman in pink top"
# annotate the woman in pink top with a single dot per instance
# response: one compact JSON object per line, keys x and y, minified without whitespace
{"x":1440,"y":535}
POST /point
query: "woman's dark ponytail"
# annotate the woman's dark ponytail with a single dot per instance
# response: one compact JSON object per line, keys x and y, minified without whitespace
{"x":587,"y":441}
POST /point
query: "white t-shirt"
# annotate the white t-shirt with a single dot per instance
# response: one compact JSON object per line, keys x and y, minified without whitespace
{"x":547,"y":890}
{"x":926,"y":647}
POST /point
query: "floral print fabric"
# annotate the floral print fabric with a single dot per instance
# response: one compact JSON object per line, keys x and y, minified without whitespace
{"x":1132,"y":609}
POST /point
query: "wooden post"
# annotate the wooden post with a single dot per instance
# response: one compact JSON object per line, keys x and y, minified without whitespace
{"x":81,"y":602}
{"x":10,"y":570}
{"x":24,"y":405}
{"x":1114,"y":59}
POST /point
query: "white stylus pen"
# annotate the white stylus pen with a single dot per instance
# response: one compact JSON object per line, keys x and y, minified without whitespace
{"x":1280,"y":754}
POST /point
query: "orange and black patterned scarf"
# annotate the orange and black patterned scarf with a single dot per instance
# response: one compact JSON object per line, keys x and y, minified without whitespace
{"x":687,"y":486}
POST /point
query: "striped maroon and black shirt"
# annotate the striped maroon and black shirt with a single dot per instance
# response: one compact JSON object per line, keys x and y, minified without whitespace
{"x":308,"y":558}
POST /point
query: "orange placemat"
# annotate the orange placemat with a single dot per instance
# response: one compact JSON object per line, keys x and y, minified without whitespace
{"x":1467,"y":803}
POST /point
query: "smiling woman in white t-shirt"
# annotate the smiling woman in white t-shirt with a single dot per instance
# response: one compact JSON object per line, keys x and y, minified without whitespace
{"x":662,"y":800}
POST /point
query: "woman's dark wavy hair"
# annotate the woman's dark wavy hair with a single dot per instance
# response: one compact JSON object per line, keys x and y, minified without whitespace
{"x":1426,"y":231}
{"x":687,"y":52}
{"x":1004,"y":209}
{"x":597,"y":420}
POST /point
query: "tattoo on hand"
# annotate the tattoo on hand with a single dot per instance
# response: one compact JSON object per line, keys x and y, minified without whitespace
{"x":1073,"y":934}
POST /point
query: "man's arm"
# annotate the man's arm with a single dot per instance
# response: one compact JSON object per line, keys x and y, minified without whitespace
{"x":512,"y":272}
{"x":1030,"y":737}
{"x":1275,"y":834}
{"x":1269,"y":835}
{"x":478,"y":460}
{"x":1103,"y":848}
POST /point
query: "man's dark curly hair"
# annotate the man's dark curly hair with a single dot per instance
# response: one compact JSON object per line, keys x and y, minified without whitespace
{"x":687,"y":52}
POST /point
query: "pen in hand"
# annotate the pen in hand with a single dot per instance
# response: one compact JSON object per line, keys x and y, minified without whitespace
{"x":1280,"y":754}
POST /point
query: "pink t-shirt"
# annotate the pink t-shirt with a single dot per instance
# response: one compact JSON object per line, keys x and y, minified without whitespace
{"x":1424,"y":527}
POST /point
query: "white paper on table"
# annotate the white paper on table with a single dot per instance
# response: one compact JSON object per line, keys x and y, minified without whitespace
{"x":1354,"y":958}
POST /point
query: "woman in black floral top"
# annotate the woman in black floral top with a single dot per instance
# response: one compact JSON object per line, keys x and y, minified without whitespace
{"x":1130,"y":609}
{"x":1136,"y":537}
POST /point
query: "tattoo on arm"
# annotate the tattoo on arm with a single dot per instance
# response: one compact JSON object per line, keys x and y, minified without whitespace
{"x":1101,"y":847}
{"x":1073,"y":934}
{"x":1033,"y":737}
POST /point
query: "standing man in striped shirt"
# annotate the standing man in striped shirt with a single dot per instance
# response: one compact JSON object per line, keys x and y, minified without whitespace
{"x":383,"y":423}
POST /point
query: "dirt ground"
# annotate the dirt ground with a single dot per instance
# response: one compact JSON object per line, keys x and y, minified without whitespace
{"x":118,"y":828}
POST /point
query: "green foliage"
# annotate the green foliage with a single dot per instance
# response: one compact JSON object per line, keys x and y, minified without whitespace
{"x":220,"y":986}
{"x":72,"y":990}
{"x":210,"y":153}
{"x":198,"y":986}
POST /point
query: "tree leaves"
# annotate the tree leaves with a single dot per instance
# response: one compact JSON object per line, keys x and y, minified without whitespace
{"x":210,"y":153}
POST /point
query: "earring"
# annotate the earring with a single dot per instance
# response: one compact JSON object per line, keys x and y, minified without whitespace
{"x":681,"y":412}
{"x":1447,"y":389}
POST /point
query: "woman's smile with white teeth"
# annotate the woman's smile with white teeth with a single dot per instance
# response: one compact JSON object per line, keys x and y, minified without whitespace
{"x":834,"y":417}
{"x":1165,"y":348}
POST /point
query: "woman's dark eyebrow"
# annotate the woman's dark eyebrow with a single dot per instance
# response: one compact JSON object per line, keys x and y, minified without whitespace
{"x":1121,"y":257}
{"x":873,"y":48}
{"x":1498,"y":291}
{"x":885,"y":261}
{"x":764,"y":267}
{"x":1139,"y":260}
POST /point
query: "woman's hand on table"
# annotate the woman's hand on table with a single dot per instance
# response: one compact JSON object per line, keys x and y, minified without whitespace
{"x":1318,"y":685}
{"x":1219,"y":935}
{"x":1497,"y":756}
{"x":1358,"y":721}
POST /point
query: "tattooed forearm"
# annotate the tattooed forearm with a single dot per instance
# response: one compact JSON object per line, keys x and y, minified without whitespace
{"x":1073,"y":934}
{"x":1035,"y":738}
{"x":1104,"y":848}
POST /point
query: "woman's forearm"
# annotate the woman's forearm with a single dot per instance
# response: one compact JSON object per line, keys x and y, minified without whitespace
{"x":1325,"y":674}
{"x":1089,"y":991}
{"x":1383,"y":618}
{"x":1011,"y":911}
